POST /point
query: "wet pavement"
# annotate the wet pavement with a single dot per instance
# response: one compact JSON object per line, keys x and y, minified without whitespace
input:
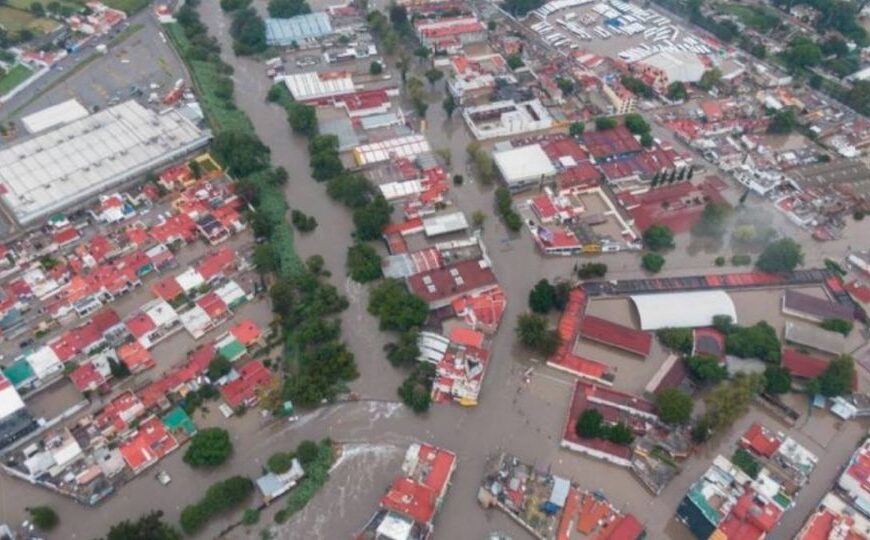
{"x":525,"y":420}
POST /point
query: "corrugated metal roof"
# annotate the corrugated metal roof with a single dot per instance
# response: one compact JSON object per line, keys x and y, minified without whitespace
{"x":283,"y":32}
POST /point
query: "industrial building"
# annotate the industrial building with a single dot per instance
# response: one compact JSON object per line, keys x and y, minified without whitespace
{"x":65,"y":166}
{"x":671,"y":310}
{"x":523,"y":167}
{"x":297,"y":30}
{"x":313,"y":86}
{"x":506,"y":119}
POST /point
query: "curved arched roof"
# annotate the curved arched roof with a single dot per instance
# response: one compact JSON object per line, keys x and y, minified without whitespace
{"x":682,"y":309}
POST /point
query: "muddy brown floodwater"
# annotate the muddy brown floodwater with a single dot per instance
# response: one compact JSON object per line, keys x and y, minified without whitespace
{"x":525,"y":420}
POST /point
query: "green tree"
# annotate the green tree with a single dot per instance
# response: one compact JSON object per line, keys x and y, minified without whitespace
{"x":284,"y":9}
{"x":232,"y":5}
{"x":533,"y":333}
{"x":302,"y":118}
{"x":636,"y":124}
{"x":713,"y":222}
{"x":652,"y":262}
{"x":677,"y":339}
{"x":209,"y":447}
{"x":730,"y":400}
{"x":575,"y":129}
{"x":838,"y":377}
{"x":542,"y":297}
{"x":646,"y":140}
{"x":801,"y":53}
{"x":674,"y":406}
{"x":620,"y":434}
{"x":658,"y":238}
{"x":744,"y":460}
{"x":404,"y":352}
{"x":515,"y":61}
{"x":840,"y":326}
{"x":248,"y":31}
{"x":756,"y":341}
{"x":307,"y":452}
{"x":265,"y":259}
{"x":701,"y":430}
{"x":449,"y":105}
{"x":242,"y":153}
{"x":677,"y":91}
{"x":519,"y":8}
{"x":566,"y":85}
{"x":279,"y":462}
{"x":37,"y":9}
{"x":592,"y":270}
{"x":782,"y":122}
{"x":780,"y":256}
{"x":119,"y":370}
{"x":376,"y":68}
{"x":777,"y":380}
{"x":710,"y":79}
{"x":396,"y":307}
{"x":434,"y":75}
{"x":148,"y":527}
{"x":371,"y":219}
{"x":218,"y":367}
{"x":603,"y":123}
{"x":363,"y":263}
{"x":706,"y":369}
{"x":491,"y":25}
{"x":416,"y":390}
{"x":43,"y":517}
{"x":589,"y":425}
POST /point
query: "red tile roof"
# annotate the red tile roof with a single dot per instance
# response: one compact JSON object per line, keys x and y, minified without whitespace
{"x":761,"y":440}
{"x":135,"y":357}
{"x":252,"y":376}
{"x":859,"y":292}
{"x":246,"y":332}
{"x":105,"y":319}
{"x":451,"y":281}
{"x":212,"y":304}
{"x":625,"y":527}
{"x":86,"y":377}
{"x":219,"y":262}
{"x":611,"y":142}
{"x":466,"y":336}
{"x":803,"y":365}
{"x":616,"y":335}
{"x":150,"y":443}
{"x":579,"y":403}
{"x":167,"y":288}
{"x":411,"y":499}
{"x":140,"y":324}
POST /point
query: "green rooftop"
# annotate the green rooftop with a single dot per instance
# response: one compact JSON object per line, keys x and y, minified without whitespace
{"x":177,"y":419}
{"x":19,"y":373}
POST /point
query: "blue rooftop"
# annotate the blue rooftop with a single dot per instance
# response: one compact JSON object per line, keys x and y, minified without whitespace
{"x":283,"y":32}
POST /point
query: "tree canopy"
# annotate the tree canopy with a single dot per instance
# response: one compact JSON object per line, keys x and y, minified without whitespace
{"x":756,"y":341}
{"x":209,"y":447}
{"x":730,"y":400}
{"x":777,"y":380}
{"x":838,"y":377}
{"x":363,"y":263}
{"x":396,"y":307}
{"x":706,"y":369}
{"x":658,"y":238}
{"x":677,"y":339}
{"x":148,"y":527}
{"x":652,"y":262}
{"x":284,"y":9}
{"x":783,"y":255}
{"x":674,"y":406}
{"x":714,"y":220}
{"x":248,"y":31}
{"x":542,"y":298}
{"x":533,"y":332}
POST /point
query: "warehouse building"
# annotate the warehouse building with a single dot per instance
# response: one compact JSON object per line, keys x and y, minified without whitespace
{"x":691,"y":309}
{"x":524,"y":167}
{"x":297,"y":30}
{"x":65,"y":166}
{"x":317,"y":87}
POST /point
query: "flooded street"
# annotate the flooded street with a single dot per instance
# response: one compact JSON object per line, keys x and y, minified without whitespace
{"x":523,"y":419}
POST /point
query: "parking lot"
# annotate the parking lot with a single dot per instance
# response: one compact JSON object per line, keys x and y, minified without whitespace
{"x":138,"y":63}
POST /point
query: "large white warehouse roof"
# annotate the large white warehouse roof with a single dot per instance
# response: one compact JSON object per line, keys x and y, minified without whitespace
{"x":64,"y":166}
{"x":682,"y":309}
{"x":523,"y":164}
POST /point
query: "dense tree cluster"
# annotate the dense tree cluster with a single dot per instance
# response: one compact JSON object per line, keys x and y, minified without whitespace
{"x":730,"y":400}
{"x":841,"y":326}
{"x":783,"y":255}
{"x":396,"y":307}
{"x":416,"y":389}
{"x":591,"y":425}
{"x":534,"y":333}
{"x":658,"y":238}
{"x":592,"y":270}
{"x":674,"y":406}
{"x":504,"y":207}
{"x":837,"y":378}
{"x":148,"y":527}
{"x":220,"y":498}
{"x":209,"y":447}
{"x":652,"y":262}
{"x":714,"y":221}
{"x":677,"y":339}
{"x":248,"y":31}
{"x":706,"y":369}
{"x":363,"y":263}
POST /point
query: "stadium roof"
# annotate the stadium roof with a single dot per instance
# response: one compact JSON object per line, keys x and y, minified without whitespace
{"x":284,"y":32}
{"x":524,"y":164}
{"x":64,"y":166}
{"x":682,"y":309}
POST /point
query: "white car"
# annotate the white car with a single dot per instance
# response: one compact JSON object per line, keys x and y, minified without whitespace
{"x":164,"y":478}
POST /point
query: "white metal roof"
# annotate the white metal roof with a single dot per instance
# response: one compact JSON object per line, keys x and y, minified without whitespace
{"x":682,"y":309}
{"x":524,"y":163}
{"x":313,"y":85}
{"x":62,"y":113}
{"x":196,"y":321}
{"x":10,"y":401}
{"x":444,"y":224}
{"x":678,"y":65}
{"x":66,"y":165}
{"x":44,"y":362}
{"x":409,"y":146}
{"x":189,"y":280}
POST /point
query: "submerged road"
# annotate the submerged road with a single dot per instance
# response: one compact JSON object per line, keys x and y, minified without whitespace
{"x":525,"y":420}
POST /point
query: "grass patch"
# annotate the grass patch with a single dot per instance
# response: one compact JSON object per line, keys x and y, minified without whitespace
{"x":125,"y":33}
{"x":127,"y":6}
{"x":13,"y":78}
{"x":755,"y":17}
{"x":220,"y":116}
